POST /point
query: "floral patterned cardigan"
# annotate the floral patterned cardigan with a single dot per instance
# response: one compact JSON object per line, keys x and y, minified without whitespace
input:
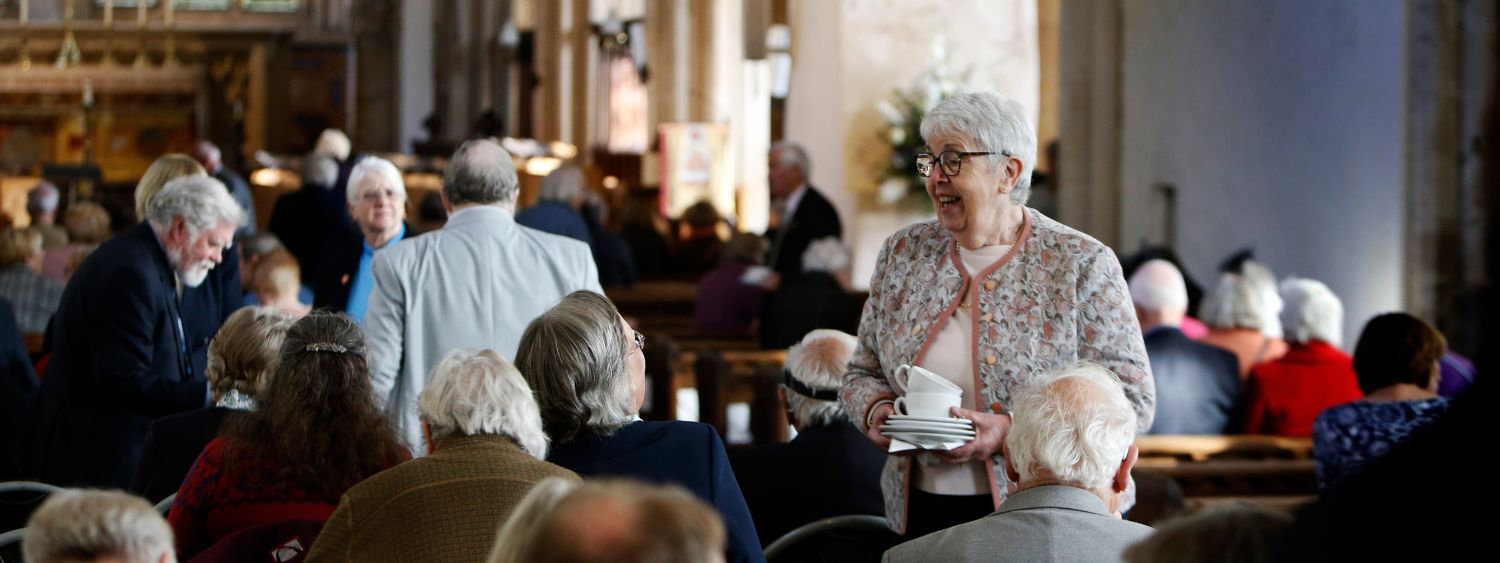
{"x":1057,"y":297}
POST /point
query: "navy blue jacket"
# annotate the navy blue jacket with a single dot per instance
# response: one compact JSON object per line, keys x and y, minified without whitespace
{"x":556,"y":218}
{"x":17,"y":393}
{"x":815,"y":218}
{"x":1197,"y":385}
{"x":688,"y":454}
{"x":206,"y":307}
{"x":826,"y":471}
{"x":117,"y":364}
{"x":171,"y":448}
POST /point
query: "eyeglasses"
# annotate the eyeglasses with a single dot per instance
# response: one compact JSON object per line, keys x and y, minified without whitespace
{"x":951,"y":161}
{"x":640,"y":341}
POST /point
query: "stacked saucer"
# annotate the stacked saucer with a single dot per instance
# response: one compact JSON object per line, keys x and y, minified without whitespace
{"x":929,"y":432}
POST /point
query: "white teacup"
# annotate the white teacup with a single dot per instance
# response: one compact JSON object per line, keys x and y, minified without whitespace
{"x":928,"y":405}
{"x":920,"y":380}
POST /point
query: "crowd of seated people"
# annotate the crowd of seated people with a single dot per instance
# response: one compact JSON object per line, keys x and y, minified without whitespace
{"x":531,"y":448}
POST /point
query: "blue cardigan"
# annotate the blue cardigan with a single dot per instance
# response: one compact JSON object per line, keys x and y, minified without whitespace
{"x":689,"y":454}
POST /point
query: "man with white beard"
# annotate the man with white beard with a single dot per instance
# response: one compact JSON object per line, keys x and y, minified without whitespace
{"x":120,"y":355}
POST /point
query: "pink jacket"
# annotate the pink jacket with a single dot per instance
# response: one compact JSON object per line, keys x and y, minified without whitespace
{"x":1057,"y":297}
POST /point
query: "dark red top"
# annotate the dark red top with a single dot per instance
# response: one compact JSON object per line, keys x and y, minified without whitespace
{"x":1284,"y":396}
{"x":217,"y":500}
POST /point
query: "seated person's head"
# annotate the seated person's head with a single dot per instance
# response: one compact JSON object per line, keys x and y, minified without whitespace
{"x":563,"y":185}
{"x":1236,"y":533}
{"x":1073,"y":428}
{"x":1313,"y":313}
{"x":1159,"y":293}
{"x":243,"y":355}
{"x":87,"y":223}
{"x":252,"y":249}
{"x":584,"y":364}
{"x":826,"y":255}
{"x":79,"y":526}
{"x":276,"y":278}
{"x":814,"y":374}
{"x":165,"y":169}
{"x":1397,"y":348}
{"x":610,"y":520}
{"x":472,"y":393}
{"x":1244,"y":299}
{"x":744,"y":248}
{"x":20,"y":246}
{"x":700,"y":220}
{"x":319,"y":170}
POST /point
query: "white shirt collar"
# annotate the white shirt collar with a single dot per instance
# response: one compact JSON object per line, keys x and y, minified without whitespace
{"x":793,"y":200}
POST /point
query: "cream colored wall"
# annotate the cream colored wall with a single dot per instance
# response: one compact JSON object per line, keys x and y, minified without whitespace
{"x":849,"y":54}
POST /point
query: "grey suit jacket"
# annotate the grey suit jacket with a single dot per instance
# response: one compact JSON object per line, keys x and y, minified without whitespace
{"x":475,"y":283}
{"x":1049,"y":523}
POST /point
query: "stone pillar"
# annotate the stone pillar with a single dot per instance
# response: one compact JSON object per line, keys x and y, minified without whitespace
{"x":1088,"y":194}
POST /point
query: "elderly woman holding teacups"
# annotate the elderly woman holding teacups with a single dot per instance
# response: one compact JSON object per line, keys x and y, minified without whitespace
{"x":988,"y":295}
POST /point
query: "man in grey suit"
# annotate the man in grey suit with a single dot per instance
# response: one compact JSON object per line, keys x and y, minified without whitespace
{"x":475,"y":283}
{"x":1069,"y":452}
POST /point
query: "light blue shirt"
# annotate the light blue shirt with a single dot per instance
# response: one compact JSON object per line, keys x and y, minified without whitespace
{"x":364,"y":282}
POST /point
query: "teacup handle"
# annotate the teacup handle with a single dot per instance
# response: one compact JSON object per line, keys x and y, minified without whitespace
{"x":900,"y":405}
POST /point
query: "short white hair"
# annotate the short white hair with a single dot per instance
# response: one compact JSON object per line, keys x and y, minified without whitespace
{"x":562,"y":185}
{"x":825,"y":255}
{"x":201,"y":201}
{"x":43,"y":198}
{"x":87,"y":525}
{"x":1247,"y":299}
{"x":320,"y":170}
{"x":819,"y":362}
{"x":334,"y":143}
{"x":1158,"y":286}
{"x":374,"y":167}
{"x":481,"y":171}
{"x":792,"y":154}
{"x":997,"y":123}
{"x":1312,"y":312}
{"x":1075,"y":426}
{"x":474,"y":392}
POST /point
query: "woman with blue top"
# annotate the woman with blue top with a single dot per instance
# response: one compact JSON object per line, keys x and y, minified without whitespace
{"x":1396,"y":361}
{"x":377,"y":201}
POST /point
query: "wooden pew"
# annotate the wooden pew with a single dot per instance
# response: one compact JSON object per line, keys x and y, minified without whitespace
{"x":1215,"y":467}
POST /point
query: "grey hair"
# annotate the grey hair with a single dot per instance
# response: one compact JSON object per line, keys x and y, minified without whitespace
{"x":1312,"y":312}
{"x":1158,"y":286}
{"x":201,"y":201}
{"x":334,"y":143}
{"x":88,"y":525}
{"x":528,"y":518}
{"x":320,"y":170}
{"x":259,"y":244}
{"x":1244,"y":300}
{"x":996,"y":123}
{"x":1075,"y":426}
{"x":374,"y":166}
{"x":574,"y":358}
{"x":792,"y":154}
{"x":825,"y":255}
{"x":474,"y":392}
{"x":819,"y":361}
{"x":562,"y":185}
{"x":483,"y":172}
{"x":42,"y":199}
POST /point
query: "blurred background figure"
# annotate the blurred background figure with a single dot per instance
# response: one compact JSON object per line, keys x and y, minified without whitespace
{"x":725,"y":301}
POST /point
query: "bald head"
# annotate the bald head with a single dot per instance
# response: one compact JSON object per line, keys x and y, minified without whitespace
{"x":207,"y":154}
{"x":1159,"y":293}
{"x":609,"y":520}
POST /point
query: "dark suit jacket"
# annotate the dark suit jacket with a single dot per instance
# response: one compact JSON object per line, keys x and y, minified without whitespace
{"x":800,"y":305}
{"x":305,"y":221}
{"x":1197,"y":385}
{"x":116,"y":366}
{"x":341,"y":262}
{"x":206,"y":307}
{"x":443,"y":507}
{"x":18,"y":386}
{"x":688,"y":454}
{"x":813,"y":219}
{"x":825,"y":471}
{"x":172,"y":445}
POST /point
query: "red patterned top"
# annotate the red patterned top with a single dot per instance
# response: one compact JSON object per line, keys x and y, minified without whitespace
{"x":218,"y":499}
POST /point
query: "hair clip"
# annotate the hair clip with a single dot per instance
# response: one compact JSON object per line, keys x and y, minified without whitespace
{"x":325,"y":347}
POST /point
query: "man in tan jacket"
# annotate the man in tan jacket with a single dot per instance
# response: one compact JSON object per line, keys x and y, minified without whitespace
{"x":488,"y":447}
